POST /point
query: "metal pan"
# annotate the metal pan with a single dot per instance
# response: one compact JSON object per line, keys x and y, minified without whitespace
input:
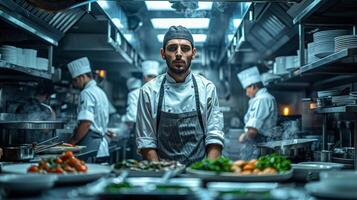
{"x":26,"y":152}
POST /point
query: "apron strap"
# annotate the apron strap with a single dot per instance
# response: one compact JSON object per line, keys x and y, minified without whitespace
{"x":198,"y":107}
{"x":161,"y":93}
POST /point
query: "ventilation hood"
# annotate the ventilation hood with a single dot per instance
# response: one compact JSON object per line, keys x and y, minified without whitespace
{"x":49,"y":26}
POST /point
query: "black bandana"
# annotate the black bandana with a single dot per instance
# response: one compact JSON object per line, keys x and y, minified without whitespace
{"x":178,"y":32}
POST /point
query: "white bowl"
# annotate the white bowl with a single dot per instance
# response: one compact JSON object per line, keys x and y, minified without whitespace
{"x":27,"y":183}
{"x":342,"y":180}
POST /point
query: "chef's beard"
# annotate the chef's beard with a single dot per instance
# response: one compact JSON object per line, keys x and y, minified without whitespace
{"x":181,"y":70}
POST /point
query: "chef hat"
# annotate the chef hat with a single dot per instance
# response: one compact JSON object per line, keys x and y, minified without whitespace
{"x":150,"y":67}
{"x":79,"y":67}
{"x":133,"y":83}
{"x":249,"y":76}
{"x":178,"y":32}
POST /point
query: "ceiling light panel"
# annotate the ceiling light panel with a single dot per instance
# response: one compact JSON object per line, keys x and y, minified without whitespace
{"x":166,"y":5}
{"x":193,"y":23}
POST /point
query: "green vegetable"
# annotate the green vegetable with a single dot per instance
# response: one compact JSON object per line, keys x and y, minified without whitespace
{"x":114,"y":187}
{"x":278,"y":162}
{"x":222,"y":164}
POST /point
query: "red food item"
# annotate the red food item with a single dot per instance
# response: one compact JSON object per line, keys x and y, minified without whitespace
{"x":58,"y":161}
{"x":69,"y":154}
{"x":81,"y":168}
{"x":33,"y":169}
{"x":65,"y":163}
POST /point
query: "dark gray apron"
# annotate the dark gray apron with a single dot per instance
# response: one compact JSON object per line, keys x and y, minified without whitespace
{"x":91,"y":140}
{"x":181,"y":137}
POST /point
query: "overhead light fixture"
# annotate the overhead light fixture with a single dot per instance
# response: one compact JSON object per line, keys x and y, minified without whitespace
{"x":197,"y":38}
{"x":236,"y":23}
{"x":104,"y":4}
{"x":164,"y":23}
{"x":117,"y":23}
{"x":166,"y":5}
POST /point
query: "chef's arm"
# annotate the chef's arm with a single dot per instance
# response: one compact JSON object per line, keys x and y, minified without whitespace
{"x":251,"y":133}
{"x":213,"y":151}
{"x":80,"y":132}
{"x":149,"y":154}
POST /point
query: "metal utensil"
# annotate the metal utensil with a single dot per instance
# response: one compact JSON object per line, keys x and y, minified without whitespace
{"x":45,"y":147}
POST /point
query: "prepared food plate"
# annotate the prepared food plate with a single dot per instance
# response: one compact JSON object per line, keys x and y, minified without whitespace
{"x":67,"y":167}
{"x":146,"y":168}
{"x":267,"y":168}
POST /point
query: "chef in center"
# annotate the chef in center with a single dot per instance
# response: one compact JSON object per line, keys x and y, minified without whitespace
{"x":178,"y":112}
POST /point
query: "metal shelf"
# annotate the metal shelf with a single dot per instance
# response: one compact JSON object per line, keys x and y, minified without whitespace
{"x":332,"y":63}
{"x":339,"y":109}
{"x":323,"y":72}
{"x":33,"y":72}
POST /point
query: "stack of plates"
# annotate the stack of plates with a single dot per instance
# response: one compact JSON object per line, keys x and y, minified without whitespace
{"x":311,"y":53}
{"x":30,"y":57}
{"x":324,"y":41}
{"x":42,"y":64}
{"x":345,"y":42}
{"x":291,"y":62}
{"x":329,"y":93}
{"x":280,"y":66}
{"x":269,"y":77}
{"x":9,"y":53}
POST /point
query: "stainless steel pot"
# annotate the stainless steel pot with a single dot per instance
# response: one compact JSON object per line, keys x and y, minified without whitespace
{"x":26,"y":152}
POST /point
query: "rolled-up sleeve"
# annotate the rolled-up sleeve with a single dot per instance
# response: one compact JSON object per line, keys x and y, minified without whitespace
{"x":145,"y":132}
{"x":86,"y":107}
{"x":259,"y":112}
{"x":214,"y":118}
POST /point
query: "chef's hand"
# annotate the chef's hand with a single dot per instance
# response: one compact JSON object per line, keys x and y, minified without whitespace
{"x":111,"y":135}
{"x":243,"y":137}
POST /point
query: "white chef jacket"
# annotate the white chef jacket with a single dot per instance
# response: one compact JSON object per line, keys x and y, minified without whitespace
{"x":262,"y":113}
{"x":178,"y":98}
{"x":132,"y":106}
{"x":94,"y":107}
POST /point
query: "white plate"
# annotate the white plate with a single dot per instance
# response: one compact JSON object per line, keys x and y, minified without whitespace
{"x":319,"y":189}
{"x":27,"y":183}
{"x":95,"y":171}
{"x":228,"y":176}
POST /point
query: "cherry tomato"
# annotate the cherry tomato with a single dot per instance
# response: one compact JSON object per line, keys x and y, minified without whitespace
{"x":81,"y":168}
{"x":69,"y":169}
{"x":69,"y":154}
{"x":73,"y":162}
{"x":33,"y":169}
{"x":59,"y":170}
{"x":58,"y":161}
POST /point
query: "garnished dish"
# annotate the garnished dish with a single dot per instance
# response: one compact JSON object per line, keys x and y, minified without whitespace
{"x":272,"y":167}
{"x":66,"y":163}
{"x":269,"y":164}
{"x":154,"y":166}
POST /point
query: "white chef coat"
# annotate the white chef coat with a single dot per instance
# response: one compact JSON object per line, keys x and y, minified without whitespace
{"x":94,"y":107}
{"x":262,"y":113}
{"x":132,"y":106}
{"x":178,"y":98}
